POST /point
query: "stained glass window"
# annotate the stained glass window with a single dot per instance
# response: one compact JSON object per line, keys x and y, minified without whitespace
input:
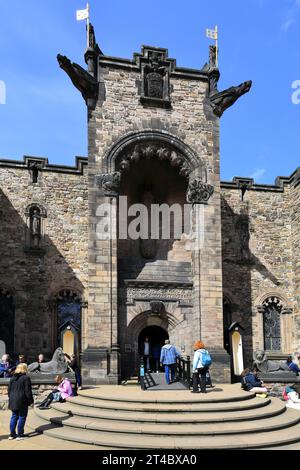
{"x":271,"y":320}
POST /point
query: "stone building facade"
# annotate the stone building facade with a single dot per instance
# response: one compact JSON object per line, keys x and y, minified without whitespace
{"x":153,"y":139}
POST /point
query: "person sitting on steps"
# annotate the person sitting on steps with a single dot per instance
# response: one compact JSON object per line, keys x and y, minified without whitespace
{"x":59,"y":394}
{"x":251,"y":383}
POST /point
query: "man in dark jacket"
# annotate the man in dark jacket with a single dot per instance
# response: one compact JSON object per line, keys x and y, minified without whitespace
{"x":20,"y":398}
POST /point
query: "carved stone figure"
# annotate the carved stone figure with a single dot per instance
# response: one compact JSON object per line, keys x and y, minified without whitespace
{"x":36,"y":223}
{"x":220,"y":101}
{"x":157,"y":307}
{"x":35,"y":168}
{"x":109,"y":183}
{"x":57,"y":365}
{"x":35,"y":228}
{"x":199,"y":192}
{"x":264,"y":365}
{"x":81,"y":79}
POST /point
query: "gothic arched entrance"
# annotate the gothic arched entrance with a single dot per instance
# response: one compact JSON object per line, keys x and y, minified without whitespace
{"x":156,"y":336}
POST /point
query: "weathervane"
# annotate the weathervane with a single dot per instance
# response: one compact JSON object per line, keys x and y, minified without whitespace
{"x":213,"y":34}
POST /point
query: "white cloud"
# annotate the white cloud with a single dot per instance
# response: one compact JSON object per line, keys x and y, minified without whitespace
{"x":291,"y":15}
{"x":258,"y":174}
{"x":287,"y":24}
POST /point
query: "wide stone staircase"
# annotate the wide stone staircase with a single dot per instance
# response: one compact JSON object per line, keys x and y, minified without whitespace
{"x":129,"y":418}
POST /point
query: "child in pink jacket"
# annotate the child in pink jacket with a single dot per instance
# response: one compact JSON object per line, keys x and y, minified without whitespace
{"x":60,"y":393}
{"x":65,"y":388}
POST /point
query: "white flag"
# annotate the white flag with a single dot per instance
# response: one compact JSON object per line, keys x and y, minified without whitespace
{"x":82,"y":14}
{"x":212,"y":33}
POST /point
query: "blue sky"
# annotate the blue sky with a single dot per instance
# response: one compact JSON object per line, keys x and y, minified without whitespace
{"x":260,"y":40}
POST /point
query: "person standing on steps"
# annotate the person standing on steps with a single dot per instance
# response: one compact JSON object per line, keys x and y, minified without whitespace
{"x":146,"y":353}
{"x":156,"y":349}
{"x":20,"y":398}
{"x":168,"y":358}
{"x":73,"y":363}
{"x":201,"y":363}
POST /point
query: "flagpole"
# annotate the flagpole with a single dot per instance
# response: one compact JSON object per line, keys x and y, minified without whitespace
{"x":88,"y":26}
{"x":217,"y":46}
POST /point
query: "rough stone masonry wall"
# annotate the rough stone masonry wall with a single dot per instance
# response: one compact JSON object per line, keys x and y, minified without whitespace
{"x":34,"y":280}
{"x":295,"y":211}
{"x":270,"y":269}
{"x":120,"y":114}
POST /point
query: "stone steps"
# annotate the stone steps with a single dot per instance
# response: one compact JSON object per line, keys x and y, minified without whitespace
{"x":273,"y":409}
{"x":127,"y":441}
{"x":165,"y":397}
{"x":170,"y":407}
{"x":109,"y":417}
{"x":282,"y":421}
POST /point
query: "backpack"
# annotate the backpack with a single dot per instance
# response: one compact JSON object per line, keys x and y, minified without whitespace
{"x":244,"y":383}
{"x":285,"y":395}
{"x":206,"y":358}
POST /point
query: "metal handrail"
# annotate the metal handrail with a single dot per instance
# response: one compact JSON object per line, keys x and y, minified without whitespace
{"x":183,"y":367}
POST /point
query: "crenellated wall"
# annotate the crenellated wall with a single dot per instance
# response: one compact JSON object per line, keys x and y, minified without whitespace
{"x":35,"y":277}
{"x":266,"y":222}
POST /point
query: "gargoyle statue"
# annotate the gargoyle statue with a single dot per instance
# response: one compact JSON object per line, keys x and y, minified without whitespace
{"x":220,"y":101}
{"x":81,"y":79}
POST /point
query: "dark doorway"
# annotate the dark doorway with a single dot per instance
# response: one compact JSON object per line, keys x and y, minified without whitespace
{"x":157,"y":337}
{"x":7,"y":320}
{"x":68,"y":322}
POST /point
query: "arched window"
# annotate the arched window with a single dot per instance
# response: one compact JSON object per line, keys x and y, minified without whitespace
{"x":7,"y":320}
{"x":271,"y":310}
{"x":68,"y":307}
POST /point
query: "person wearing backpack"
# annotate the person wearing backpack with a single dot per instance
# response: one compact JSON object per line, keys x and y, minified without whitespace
{"x":201,"y":363}
{"x":251,"y":383}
